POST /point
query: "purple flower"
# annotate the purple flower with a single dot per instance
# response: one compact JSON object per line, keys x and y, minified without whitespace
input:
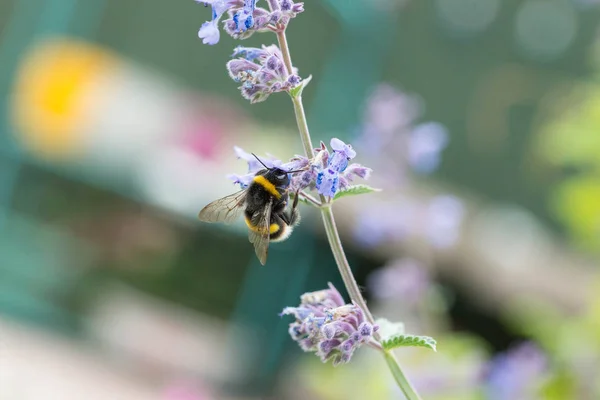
{"x":392,"y":135}
{"x":437,"y":220}
{"x":405,"y":280}
{"x":516,"y":373}
{"x":261,"y":72}
{"x":328,"y":327}
{"x":445,"y":215}
{"x":425,"y":144}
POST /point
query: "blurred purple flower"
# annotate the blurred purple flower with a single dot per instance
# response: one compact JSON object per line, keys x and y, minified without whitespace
{"x":384,"y":222}
{"x":328,"y":327}
{"x":405,"y":279}
{"x":261,"y":72}
{"x":389,"y":111}
{"x":391,"y":135}
{"x":437,"y":220}
{"x":425,"y":144}
{"x":445,"y":215}
{"x":516,"y":373}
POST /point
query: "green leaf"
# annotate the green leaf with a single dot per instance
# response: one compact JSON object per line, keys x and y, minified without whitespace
{"x":409,"y":340}
{"x":297,"y":91}
{"x":354,"y":190}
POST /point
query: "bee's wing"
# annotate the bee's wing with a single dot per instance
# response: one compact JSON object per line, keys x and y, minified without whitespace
{"x":259,"y":236}
{"x":225,"y":210}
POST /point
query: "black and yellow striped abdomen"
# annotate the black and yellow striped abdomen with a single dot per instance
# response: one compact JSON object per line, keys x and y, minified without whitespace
{"x":278,"y":229}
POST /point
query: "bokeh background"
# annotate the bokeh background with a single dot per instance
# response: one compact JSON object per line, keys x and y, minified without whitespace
{"x":480,"y":118}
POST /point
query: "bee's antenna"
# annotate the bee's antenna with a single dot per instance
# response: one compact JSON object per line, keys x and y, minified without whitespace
{"x":260,"y":161}
{"x":289,"y":172}
{"x":297,"y":170}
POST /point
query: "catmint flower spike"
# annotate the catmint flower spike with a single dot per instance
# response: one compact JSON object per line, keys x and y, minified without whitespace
{"x":327,"y":327}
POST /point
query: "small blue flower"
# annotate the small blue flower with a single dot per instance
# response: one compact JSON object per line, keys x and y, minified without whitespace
{"x":341,"y":147}
{"x":249,"y":53}
{"x":243,"y":19}
{"x":328,"y":179}
{"x":327,"y":182}
{"x":517,"y":373}
{"x":209,"y":32}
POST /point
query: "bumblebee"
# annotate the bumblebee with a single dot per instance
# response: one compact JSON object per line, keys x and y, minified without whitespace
{"x":264,"y":203}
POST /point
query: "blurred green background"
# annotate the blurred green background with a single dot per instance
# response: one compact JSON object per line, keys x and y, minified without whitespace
{"x":118,"y":125}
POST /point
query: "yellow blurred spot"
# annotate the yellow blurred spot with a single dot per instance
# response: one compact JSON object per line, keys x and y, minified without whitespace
{"x":571,"y":136}
{"x":51,"y":105}
{"x":576,"y":202}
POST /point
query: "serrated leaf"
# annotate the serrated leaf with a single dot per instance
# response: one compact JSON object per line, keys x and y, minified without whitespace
{"x":409,"y":341}
{"x":297,"y":91}
{"x":354,"y":190}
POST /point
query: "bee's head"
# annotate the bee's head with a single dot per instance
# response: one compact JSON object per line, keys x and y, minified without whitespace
{"x":277,"y":177}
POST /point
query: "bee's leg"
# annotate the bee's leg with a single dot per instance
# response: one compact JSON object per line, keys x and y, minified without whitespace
{"x":293,"y":216}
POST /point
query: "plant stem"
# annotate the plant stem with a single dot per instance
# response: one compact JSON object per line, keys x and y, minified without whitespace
{"x":285,"y":50}
{"x":310,"y":199}
{"x":399,"y":376}
{"x":333,"y":236}
{"x":342,"y":262}
{"x":303,"y":128}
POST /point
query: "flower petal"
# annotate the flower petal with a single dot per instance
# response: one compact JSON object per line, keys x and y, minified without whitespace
{"x":209,"y":32}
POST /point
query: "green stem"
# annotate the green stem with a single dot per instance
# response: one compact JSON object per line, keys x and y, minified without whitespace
{"x":333,"y":236}
{"x":303,"y":128}
{"x":401,"y":380}
{"x":285,"y":50}
{"x":342,"y":262}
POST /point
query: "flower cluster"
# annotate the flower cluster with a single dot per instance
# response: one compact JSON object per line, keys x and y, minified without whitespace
{"x":404,"y":280}
{"x":391,"y":134}
{"x":328,"y":327}
{"x":328,"y":172}
{"x":261,"y":72}
{"x":245,"y":18}
{"x":401,"y":147}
